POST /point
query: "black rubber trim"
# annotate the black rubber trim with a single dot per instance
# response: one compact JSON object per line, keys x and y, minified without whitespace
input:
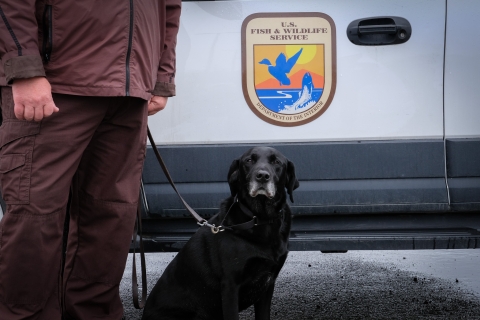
{"x":394,"y":159}
{"x":9,"y":28}
{"x":465,"y":190}
{"x":463,"y":157}
{"x":313,"y":197}
{"x":354,"y":177}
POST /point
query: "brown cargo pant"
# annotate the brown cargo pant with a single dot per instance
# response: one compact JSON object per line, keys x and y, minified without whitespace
{"x":94,"y":146}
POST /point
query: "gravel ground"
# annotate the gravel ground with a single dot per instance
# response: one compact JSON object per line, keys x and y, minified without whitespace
{"x":357,"y":285}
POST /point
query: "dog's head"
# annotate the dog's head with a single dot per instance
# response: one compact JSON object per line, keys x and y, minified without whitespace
{"x":262,"y":171}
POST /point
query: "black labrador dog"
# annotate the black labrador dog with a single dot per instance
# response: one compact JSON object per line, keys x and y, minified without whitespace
{"x":225,"y":269}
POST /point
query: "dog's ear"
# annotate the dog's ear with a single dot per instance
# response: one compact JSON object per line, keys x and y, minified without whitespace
{"x":233,"y":177}
{"x":292,"y":182}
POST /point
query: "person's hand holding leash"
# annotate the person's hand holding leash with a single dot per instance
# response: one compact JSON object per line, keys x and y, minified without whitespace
{"x":33,"y":99}
{"x":156,"y":103}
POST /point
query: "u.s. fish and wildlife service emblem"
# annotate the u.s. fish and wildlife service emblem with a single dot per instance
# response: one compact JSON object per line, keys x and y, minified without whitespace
{"x":288,"y":66}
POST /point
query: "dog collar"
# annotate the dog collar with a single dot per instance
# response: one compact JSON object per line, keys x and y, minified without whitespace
{"x":245,"y":225}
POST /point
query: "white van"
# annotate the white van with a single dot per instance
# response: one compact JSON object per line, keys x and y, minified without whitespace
{"x":386,"y":139}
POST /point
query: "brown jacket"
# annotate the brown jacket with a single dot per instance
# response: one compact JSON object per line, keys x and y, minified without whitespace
{"x":92,"y":47}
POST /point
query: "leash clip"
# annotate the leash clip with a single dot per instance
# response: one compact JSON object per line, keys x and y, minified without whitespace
{"x":214,"y":228}
{"x":218,"y":229}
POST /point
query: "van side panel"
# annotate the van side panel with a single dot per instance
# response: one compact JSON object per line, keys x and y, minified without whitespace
{"x":462,"y":70}
{"x":462,"y":101}
{"x":382,"y":92}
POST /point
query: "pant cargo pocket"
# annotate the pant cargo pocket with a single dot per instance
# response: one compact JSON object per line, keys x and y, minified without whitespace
{"x":17,"y":139}
{"x":12,"y":178}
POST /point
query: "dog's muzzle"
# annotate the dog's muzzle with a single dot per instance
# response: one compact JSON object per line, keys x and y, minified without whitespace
{"x":261,"y":182}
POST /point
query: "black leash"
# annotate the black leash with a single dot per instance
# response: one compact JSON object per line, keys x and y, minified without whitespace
{"x":138,"y":232}
{"x":197,"y":217}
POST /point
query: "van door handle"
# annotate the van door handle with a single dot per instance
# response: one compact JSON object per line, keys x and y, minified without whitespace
{"x":379,"y":31}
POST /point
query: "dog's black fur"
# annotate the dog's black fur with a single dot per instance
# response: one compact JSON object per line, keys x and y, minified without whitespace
{"x":217,"y":275}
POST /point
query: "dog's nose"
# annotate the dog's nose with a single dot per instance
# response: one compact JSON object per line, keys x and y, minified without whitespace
{"x":262,"y":176}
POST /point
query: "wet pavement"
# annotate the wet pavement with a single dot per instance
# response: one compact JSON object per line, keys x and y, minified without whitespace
{"x":422,"y":284}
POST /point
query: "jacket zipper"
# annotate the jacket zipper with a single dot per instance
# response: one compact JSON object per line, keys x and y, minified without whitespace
{"x":12,"y":34}
{"x":47,"y":33}
{"x":129,"y":50}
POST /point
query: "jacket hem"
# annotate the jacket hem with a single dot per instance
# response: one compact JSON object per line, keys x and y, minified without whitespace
{"x":99,"y":91}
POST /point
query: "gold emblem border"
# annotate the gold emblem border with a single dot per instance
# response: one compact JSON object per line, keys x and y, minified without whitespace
{"x":244,"y":64}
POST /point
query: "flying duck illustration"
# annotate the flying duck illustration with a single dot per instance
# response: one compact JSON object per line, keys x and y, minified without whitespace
{"x":282,"y":67}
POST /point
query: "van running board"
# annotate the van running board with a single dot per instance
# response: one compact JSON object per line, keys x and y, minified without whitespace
{"x":348,"y":240}
{"x":338,"y":233}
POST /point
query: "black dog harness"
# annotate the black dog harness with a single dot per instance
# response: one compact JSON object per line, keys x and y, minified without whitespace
{"x":241,"y":226}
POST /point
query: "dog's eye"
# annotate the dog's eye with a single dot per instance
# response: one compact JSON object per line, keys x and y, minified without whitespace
{"x":277,"y":162}
{"x":248,"y":160}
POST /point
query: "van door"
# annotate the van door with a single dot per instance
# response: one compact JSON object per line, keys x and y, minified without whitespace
{"x":377,"y":148}
{"x":383,"y":92}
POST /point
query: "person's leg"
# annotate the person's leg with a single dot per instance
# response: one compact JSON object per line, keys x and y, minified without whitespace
{"x":37,"y":163}
{"x":105,"y":197}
